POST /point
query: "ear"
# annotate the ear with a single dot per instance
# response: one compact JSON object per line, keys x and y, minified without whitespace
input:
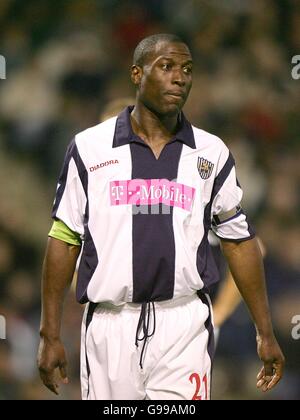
{"x":136,"y":74}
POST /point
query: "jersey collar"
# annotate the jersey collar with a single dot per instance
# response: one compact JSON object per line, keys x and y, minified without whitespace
{"x":125,"y":135}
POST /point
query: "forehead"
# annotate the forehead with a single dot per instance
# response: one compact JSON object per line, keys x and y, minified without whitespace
{"x":172,"y":50}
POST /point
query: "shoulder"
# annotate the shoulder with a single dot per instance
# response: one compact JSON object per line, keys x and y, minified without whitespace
{"x":104,"y":130}
{"x":204,"y":139}
{"x":211,"y":147}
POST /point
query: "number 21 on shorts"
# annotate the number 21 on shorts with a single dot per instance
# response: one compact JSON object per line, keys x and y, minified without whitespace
{"x":197,"y":381}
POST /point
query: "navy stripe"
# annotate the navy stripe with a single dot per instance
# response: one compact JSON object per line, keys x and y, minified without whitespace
{"x":82,"y":172}
{"x":63,"y":178}
{"x":209,"y":326}
{"x":89,"y":259}
{"x":218,"y":183}
{"x":153,"y":239}
{"x":89,"y":317}
{"x":72,"y":152}
{"x":87,"y":266}
{"x":206,"y":265}
{"x":246,"y":238}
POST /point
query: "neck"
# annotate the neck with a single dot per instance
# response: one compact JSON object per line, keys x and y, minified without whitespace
{"x":149,"y":125}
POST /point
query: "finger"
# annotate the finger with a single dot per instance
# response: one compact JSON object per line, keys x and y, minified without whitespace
{"x":278,"y":369}
{"x":265,"y":387}
{"x":261,"y":373}
{"x":263,"y":384}
{"x":268,"y":382}
{"x":63,"y":373}
{"x":268,"y":379}
{"x":49,"y":382}
{"x":274,"y":382}
{"x":260,"y":378}
{"x":52,"y":387}
{"x":260,"y":383}
{"x":263,"y":380}
{"x":276,"y":378}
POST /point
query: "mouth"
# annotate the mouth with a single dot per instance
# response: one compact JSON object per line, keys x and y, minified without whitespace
{"x":177,"y":95}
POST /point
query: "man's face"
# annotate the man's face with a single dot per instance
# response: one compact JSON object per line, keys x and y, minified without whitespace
{"x":165,"y":80}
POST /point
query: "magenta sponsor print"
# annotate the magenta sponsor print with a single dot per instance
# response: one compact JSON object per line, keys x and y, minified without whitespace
{"x":151,"y":192}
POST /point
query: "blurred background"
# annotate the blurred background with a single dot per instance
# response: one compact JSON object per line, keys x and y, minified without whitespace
{"x":66,"y":60}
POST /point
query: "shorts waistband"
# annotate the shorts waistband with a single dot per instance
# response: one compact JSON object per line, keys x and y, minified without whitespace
{"x":160,"y":305}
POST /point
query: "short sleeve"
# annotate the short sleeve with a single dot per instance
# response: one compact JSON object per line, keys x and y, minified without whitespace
{"x":71,"y":194}
{"x":229,"y":220}
{"x":62,"y":232}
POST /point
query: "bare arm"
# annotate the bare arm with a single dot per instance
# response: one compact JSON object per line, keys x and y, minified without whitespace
{"x":229,"y":296}
{"x":246,"y":266}
{"x":58,"y":269}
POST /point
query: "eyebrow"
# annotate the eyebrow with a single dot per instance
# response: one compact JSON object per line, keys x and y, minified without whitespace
{"x":164,"y":57}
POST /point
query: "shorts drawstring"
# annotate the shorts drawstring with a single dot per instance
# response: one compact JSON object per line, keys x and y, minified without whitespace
{"x":144,"y":322}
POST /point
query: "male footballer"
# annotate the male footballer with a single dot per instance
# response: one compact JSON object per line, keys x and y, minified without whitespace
{"x":137,"y":195}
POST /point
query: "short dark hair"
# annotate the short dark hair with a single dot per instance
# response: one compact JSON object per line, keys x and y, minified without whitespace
{"x":147,"y":45}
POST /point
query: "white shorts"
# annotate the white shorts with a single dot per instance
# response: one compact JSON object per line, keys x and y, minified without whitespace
{"x":176,"y":360}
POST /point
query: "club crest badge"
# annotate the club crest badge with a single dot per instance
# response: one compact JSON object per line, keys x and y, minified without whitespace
{"x":204,"y":168}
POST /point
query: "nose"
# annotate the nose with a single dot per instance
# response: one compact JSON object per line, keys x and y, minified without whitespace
{"x":179,"y":78}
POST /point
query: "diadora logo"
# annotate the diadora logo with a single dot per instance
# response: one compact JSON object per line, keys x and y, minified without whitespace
{"x":101,"y":165}
{"x":151,"y":192}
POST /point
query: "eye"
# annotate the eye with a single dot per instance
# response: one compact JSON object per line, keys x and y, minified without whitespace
{"x":188,"y":70}
{"x":165,"y":67}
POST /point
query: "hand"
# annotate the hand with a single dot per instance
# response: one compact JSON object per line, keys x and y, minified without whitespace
{"x":51,"y":355}
{"x":270,"y":353}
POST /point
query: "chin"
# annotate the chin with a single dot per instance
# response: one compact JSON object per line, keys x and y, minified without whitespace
{"x":166,"y":110}
{"x":169,"y":109}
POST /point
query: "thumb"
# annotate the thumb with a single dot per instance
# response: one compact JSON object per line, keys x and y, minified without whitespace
{"x":63,"y":373}
{"x":268,"y":366}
